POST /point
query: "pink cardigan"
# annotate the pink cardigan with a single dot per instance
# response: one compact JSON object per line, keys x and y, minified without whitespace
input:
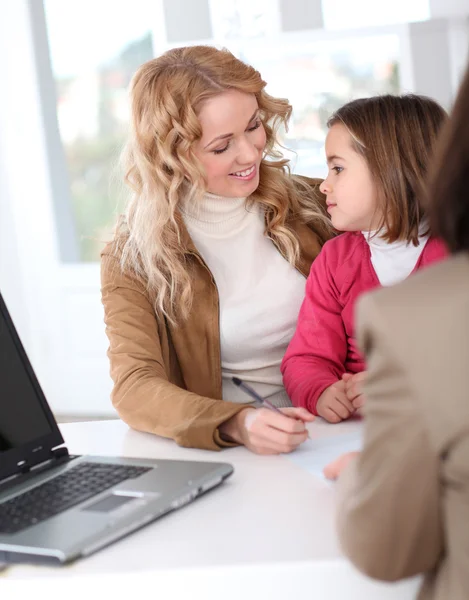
{"x":323,"y":347}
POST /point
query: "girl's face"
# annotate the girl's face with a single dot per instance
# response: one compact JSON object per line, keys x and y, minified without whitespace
{"x":232,"y":143}
{"x":350,"y":192}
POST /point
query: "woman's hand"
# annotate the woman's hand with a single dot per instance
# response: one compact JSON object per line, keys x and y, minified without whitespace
{"x":265,"y":431}
{"x":333,"y":404}
{"x":335,"y":468}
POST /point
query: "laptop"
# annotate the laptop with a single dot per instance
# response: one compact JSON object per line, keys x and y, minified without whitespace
{"x":55,"y":507}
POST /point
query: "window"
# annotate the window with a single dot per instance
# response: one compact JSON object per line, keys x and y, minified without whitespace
{"x":95,"y":48}
{"x":244,"y":19}
{"x":343,"y":14}
{"x":319,"y":77}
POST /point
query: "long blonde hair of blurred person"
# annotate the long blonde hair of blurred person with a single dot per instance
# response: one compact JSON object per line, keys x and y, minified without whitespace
{"x":161,"y":168}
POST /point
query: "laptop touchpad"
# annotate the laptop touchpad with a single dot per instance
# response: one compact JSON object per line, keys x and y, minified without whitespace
{"x":109,"y":503}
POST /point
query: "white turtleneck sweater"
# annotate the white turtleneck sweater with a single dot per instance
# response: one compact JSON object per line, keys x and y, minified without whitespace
{"x":260,"y":293}
{"x":394,"y":262}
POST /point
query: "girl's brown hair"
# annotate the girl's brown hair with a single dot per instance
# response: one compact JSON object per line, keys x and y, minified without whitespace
{"x":396,"y":136}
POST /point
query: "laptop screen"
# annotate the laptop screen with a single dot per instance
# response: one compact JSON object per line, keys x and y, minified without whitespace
{"x":22,"y":417}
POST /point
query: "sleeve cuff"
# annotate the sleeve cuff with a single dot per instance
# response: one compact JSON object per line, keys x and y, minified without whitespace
{"x":221,"y":443}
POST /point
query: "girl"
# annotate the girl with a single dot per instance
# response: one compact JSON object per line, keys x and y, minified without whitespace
{"x":377,"y":152}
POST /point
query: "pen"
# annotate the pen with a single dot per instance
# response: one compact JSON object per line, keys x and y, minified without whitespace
{"x":251,"y":392}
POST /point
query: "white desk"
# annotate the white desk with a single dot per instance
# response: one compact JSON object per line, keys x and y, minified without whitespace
{"x":266,"y":533}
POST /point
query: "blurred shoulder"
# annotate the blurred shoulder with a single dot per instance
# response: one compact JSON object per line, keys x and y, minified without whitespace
{"x":431,"y":304}
{"x":438,"y":284}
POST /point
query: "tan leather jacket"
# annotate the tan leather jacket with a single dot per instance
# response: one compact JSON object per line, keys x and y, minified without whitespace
{"x":167,"y":380}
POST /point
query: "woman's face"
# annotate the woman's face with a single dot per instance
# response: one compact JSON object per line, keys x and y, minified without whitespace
{"x":232,"y":143}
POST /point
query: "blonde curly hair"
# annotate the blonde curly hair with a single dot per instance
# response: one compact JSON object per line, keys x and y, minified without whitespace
{"x":161,"y":168}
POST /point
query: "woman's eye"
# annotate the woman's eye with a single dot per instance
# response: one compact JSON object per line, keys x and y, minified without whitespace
{"x":337,"y":169}
{"x":256,"y":125}
{"x":221,"y":150}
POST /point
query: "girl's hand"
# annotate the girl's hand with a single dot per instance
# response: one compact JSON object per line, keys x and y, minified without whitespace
{"x":333,"y":404}
{"x":353,"y":388}
{"x":335,"y":468}
{"x":265,"y":431}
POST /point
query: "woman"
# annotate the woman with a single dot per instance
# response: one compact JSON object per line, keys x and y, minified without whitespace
{"x":204,"y":279}
{"x":404,"y":501}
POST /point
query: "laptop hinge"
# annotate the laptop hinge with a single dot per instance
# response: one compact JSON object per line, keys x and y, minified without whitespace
{"x":55,"y":454}
{"x":61,"y":452}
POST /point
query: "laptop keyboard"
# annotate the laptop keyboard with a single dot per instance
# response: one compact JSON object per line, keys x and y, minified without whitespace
{"x":62,"y":492}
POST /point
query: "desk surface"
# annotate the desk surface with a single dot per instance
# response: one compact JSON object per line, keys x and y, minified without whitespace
{"x":267,"y":532}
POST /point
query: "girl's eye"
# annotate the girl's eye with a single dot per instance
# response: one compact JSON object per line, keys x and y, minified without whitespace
{"x":256,"y":125}
{"x":222,"y":149}
{"x":337,"y":169}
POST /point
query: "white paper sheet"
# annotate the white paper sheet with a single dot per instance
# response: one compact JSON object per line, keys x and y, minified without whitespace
{"x":313,"y":455}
